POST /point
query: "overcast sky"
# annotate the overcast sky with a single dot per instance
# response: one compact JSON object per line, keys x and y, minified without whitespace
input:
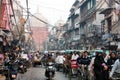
{"x":53,"y":10}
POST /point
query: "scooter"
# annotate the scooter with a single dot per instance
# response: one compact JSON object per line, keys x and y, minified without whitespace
{"x":13,"y":69}
{"x":12,"y":66}
{"x":50,"y":71}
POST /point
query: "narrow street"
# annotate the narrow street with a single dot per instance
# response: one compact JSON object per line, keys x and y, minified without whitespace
{"x":82,"y":37}
{"x":38,"y":74}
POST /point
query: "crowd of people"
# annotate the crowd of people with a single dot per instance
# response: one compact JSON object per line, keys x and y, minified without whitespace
{"x":99,"y":67}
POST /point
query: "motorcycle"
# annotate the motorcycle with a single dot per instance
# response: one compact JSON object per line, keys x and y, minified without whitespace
{"x":2,"y":67}
{"x":11,"y":65}
{"x":13,"y":69}
{"x":59,"y":67}
{"x":50,"y":70}
{"x":22,"y":68}
{"x":73,"y":70}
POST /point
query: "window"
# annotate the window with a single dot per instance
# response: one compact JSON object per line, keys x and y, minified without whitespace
{"x":77,"y":32}
{"x":89,"y":5}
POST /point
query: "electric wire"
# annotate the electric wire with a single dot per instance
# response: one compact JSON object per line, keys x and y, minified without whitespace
{"x":27,"y":12}
{"x":32,"y":14}
{"x":14,"y":17}
{"x":59,"y":10}
{"x":96,"y":8}
{"x":26,"y":18}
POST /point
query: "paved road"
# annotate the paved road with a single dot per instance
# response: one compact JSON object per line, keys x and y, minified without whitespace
{"x":38,"y":74}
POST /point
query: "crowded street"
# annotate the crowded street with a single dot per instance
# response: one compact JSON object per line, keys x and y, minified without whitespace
{"x":38,"y":74}
{"x":59,"y":39}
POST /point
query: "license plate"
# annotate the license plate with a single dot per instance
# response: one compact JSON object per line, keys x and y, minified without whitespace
{"x":13,"y":76}
{"x":50,"y":67}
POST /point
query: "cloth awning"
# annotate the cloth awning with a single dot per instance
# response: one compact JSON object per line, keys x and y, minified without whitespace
{"x":5,"y":32}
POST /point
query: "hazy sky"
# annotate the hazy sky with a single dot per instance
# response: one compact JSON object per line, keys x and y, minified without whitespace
{"x":53,"y":10}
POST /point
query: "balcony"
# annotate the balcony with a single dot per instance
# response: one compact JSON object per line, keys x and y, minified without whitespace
{"x":76,"y":37}
{"x":70,"y":28}
{"x":87,"y":14}
{"x":82,"y":36}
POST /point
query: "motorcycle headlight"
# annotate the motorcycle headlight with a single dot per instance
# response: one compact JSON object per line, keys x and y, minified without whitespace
{"x":21,"y":66}
{"x":13,"y":76}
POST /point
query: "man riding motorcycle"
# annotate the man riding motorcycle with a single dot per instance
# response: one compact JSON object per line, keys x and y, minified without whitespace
{"x":50,"y":70}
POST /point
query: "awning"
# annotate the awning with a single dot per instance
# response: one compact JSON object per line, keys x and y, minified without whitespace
{"x":106,"y":11}
{"x":4,"y":32}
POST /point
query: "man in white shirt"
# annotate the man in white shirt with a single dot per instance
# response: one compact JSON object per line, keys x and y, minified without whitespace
{"x":75,"y":56}
{"x":59,"y":61}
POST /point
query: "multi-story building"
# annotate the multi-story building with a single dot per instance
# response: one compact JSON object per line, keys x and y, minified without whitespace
{"x":90,"y":23}
{"x":71,"y":28}
{"x":18,"y":21}
{"x":59,"y":30}
{"x":83,"y":27}
{"x":39,"y":30}
{"x":110,"y":24}
{"x":56,"y":37}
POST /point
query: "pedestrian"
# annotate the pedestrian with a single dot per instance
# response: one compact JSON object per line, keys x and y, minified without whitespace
{"x":59,"y":61}
{"x":100,"y":67}
{"x":111,"y":60}
{"x":66,"y":64}
{"x":105,"y":56}
{"x":84,"y":63}
{"x":85,"y":59}
{"x":91,"y":68}
{"x":115,"y":72}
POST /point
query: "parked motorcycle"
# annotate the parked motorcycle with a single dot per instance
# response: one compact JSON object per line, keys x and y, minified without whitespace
{"x":50,"y":70}
{"x":13,"y":69}
{"x":12,"y":65}
{"x":2,"y":68}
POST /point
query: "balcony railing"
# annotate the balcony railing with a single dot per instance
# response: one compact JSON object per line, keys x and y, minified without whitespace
{"x":91,"y":11}
{"x":76,"y":37}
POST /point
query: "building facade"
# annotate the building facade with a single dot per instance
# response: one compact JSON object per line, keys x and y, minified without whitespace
{"x":84,"y":28}
{"x":39,"y":31}
{"x":56,"y":36}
